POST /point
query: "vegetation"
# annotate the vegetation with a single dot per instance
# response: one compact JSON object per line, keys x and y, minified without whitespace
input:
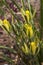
{"x":27,"y":37}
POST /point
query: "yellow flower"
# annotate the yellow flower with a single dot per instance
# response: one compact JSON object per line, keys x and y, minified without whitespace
{"x":29,"y":30}
{"x":33,"y":47}
{"x":27,"y":13}
{"x":7,"y":24}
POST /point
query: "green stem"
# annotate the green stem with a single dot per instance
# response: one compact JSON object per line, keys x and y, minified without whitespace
{"x":23,"y":6}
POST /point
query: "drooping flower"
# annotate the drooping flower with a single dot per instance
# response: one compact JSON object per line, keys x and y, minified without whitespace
{"x":29,"y":30}
{"x":27,"y":13}
{"x":6,"y":24}
{"x":33,"y":47}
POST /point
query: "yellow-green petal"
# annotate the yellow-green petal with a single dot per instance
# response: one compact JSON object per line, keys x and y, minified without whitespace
{"x":7,"y":24}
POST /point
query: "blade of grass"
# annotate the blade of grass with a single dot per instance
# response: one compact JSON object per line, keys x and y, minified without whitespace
{"x":6,"y":58}
{"x":8,"y":48}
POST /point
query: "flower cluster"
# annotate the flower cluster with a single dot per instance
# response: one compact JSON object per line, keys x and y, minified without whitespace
{"x":5,"y":23}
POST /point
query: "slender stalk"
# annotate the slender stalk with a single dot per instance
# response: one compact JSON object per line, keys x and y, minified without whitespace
{"x":34,"y":14}
{"x":23,"y":6}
